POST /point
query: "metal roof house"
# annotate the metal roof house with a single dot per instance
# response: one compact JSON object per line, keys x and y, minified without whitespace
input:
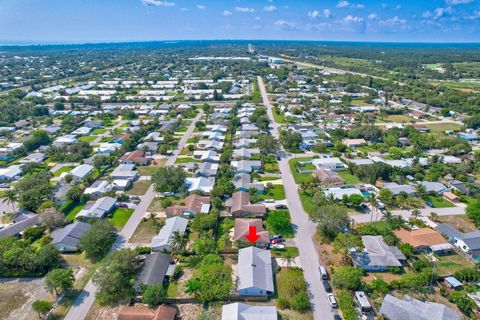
{"x":378,"y":256}
{"x":161,"y":242}
{"x":98,"y":209}
{"x":254,"y":272}
{"x":412,"y":309}
{"x":81,"y":172}
{"x":243,"y":311}
{"x":67,"y":239}
{"x":467,"y":242}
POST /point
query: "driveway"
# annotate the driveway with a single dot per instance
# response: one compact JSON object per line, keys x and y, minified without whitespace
{"x":303,"y":227}
{"x":86,"y":298}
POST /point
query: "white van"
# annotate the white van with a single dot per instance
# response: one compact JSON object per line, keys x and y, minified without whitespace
{"x":323,"y":273}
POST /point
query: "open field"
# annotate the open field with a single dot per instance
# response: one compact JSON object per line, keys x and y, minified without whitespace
{"x":139,"y":188}
{"x":437,"y":128}
{"x":16,"y":297}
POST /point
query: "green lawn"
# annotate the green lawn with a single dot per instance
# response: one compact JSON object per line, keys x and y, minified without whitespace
{"x":278,"y":222}
{"x":72,"y":212}
{"x":279,"y":253}
{"x":88,"y":139}
{"x":268,"y":178}
{"x":98,"y":131}
{"x":440,"y":128}
{"x":106,"y":139}
{"x":297,"y":176}
{"x":439,"y":202}
{"x":139,"y":188}
{"x":147,"y":170}
{"x":449,"y":264}
{"x":276,"y":193}
{"x":307,"y":203}
{"x":120,"y":216}
{"x":63,"y":169}
{"x":349,"y":178}
{"x":186,"y":160}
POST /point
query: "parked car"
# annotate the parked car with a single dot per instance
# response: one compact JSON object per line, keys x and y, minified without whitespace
{"x":337,"y":317}
{"x":280,"y":206}
{"x":122,"y":205}
{"x":327,"y":286}
{"x":323,"y":273}
{"x":332,"y":301}
{"x":278,"y":246}
{"x":4,"y":185}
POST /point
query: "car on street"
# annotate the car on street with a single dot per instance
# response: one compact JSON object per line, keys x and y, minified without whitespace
{"x":332,"y":301}
{"x":327,"y":286}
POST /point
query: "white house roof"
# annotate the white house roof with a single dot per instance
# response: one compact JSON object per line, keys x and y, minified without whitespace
{"x":171,"y":226}
{"x":243,"y":311}
{"x":81,"y":171}
{"x":255,"y":269}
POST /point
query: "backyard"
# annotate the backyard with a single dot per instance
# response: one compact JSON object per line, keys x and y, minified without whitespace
{"x":120,"y":217}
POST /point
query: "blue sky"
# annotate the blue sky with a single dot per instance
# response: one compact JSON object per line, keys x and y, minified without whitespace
{"x":145,"y":20}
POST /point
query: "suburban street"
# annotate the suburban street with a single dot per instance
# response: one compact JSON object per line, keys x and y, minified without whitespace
{"x":86,"y":298}
{"x":304,"y":228}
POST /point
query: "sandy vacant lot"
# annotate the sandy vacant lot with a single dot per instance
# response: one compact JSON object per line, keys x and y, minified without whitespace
{"x":16,"y":297}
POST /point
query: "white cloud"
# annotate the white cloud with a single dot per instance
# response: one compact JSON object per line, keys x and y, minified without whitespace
{"x":441,"y":12}
{"x":227,"y":13}
{"x":352,"y":19}
{"x":284,"y":24}
{"x":270,"y":8}
{"x":244,"y":9}
{"x":183,"y":9}
{"x":395,"y":21}
{"x":426,"y":14}
{"x":343,"y":4}
{"x":360,"y":6}
{"x":372,"y":16}
{"x":326,"y":13}
{"x":455,"y":2}
{"x":200,"y":7}
{"x":158,"y":3}
{"x":474,"y":16}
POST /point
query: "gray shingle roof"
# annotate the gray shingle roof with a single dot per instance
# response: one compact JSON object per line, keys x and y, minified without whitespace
{"x":70,"y":235}
{"x":154,"y":269}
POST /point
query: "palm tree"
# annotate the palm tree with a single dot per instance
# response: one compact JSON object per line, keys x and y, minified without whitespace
{"x":288,"y":258}
{"x":372,"y":199}
{"x":416,"y":213}
{"x":387,"y":215}
{"x":177,"y":242}
{"x":433,"y":216}
{"x":11,"y":197}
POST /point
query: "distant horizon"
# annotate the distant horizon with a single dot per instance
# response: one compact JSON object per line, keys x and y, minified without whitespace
{"x":13,"y":43}
{"x":110,"y":21}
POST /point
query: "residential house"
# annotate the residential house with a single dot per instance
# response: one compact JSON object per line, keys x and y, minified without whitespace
{"x":240,"y":206}
{"x":163,"y":240}
{"x":149,"y":147}
{"x":107,"y":147}
{"x":154,"y":270}
{"x":80,"y":172}
{"x":328,"y":177}
{"x":468,"y":242}
{"x":207,"y":169}
{"x":242,"y":311}
{"x":36,"y":157}
{"x":396,"y":188}
{"x":243,"y":182}
{"x":332,"y":163}
{"x":124,"y":175}
{"x":194,"y":204}
{"x":10,"y":173}
{"x":377,"y":255}
{"x":202,"y":184}
{"x":98,"y":188}
{"x":339,"y":193}
{"x":136,"y":157}
{"x":19,"y":226}
{"x":424,"y":240}
{"x":409,"y":308}
{"x":67,"y":139}
{"x":354,"y":143}
{"x":67,"y":239}
{"x":143,"y":313}
{"x":207,"y":156}
{"x":459,"y":187}
{"x":245,"y":153}
{"x":254,"y":272}
{"x":242,"y":229}
{"x":82,"y":131}
{"x":246,"y":166}
{"x":98,"y":209}
{"x":436,"y":187}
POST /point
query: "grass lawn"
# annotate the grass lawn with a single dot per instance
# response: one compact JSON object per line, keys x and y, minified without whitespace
{"x":72,"y":213}
{"x":278,"y":117}
{"x":63,"y":169}
{"x":449,"y":264}
{"x":172,"y":290}
{"x":281,"y":253}
{"x":307,"y":203}
{"x":349,"y":178}
{"x":106,"y":139}
{"x":145,"y":231}
{"x":88,"y":139}
{"x":398,"y":118}
{"x":290,"y":284}
{"x":297,"y":176}
{"x":271,"y":167}
{"x":120,"y":216}
{"x":268,"y":178}
{"x":278,"y":222}
{"x":438,"y":128}
{"x":139,"y":188}
{"x":182,"y":129}
{"x":147,"y":170}
{"x":98,"y":131}
{"x":439,"y":202}
{"x":276,"y":193}
{"x":186,"y":160}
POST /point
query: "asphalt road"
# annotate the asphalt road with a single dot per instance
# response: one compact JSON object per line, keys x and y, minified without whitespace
{"x":304,"y":228}
{"x":86,"y":298}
